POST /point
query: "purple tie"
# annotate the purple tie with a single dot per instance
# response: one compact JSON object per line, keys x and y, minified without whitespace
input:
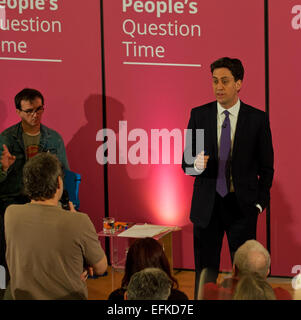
{"x":224,"y":152}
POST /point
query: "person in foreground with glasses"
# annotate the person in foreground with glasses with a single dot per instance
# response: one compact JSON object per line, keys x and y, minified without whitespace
{"x":21,"y":142}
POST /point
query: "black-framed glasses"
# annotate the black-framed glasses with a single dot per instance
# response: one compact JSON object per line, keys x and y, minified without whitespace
{"x":31,"y":112}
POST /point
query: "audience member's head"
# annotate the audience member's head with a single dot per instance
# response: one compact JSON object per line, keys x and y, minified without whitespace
{"x":253,"y":286}
{"x":28,"y":94}
{"x":252,"y":257}
{"x":149,"y":284}
{"x":146,"y":253}
{"x":42,"y":177}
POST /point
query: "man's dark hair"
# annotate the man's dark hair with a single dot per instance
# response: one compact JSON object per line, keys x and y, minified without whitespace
{"x":27,"y":94}
{"x":234,"y":65}
{"x":149,"y":284}
{"x":40,"y":176}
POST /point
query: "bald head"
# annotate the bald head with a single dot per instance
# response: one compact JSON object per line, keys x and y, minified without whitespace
{"x":257,"y":260}
{"x":252,"y":257}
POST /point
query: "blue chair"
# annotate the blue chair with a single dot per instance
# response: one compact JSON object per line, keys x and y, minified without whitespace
{"x":71,"y":184}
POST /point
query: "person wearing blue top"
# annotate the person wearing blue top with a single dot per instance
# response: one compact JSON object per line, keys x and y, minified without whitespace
{"x":20,"y":143}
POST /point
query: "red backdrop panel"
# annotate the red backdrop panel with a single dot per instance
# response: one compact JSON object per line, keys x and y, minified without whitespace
{"x":157,"y":97}
{"x":285,"y":52}
{"x":72,"y":87}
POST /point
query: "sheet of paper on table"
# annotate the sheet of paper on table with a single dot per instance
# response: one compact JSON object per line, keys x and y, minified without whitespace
{"x":143,"y":231}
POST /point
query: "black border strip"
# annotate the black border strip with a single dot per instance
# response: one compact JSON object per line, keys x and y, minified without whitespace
{"x":267,"y":104}
{"x":104,"y":123}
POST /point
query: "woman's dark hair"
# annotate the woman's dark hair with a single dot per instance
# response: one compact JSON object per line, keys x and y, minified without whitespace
{"x":234,"y":65}
{"x":40,"y":176}
{"x":146,"y":253}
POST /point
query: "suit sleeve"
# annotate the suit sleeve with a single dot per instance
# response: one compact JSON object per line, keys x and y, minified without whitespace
{"x":266,"y":163}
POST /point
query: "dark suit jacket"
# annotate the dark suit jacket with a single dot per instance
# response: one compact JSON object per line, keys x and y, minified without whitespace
{"x":251,"y":165}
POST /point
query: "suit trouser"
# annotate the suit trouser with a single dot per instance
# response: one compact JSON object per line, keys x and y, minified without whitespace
{"x":228,"y":217}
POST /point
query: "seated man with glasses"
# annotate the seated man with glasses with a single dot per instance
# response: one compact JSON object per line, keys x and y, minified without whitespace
{"x":23,"y":141}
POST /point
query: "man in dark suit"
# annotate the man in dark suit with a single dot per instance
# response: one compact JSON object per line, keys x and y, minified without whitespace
{"x":234,"y":170}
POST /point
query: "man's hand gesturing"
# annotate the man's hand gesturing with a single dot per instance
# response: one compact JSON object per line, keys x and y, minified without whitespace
{"x":201,"y":161}
{"x":6,"y":159}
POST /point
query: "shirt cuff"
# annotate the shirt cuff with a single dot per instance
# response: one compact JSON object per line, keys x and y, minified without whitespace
{"x":259,"y":207}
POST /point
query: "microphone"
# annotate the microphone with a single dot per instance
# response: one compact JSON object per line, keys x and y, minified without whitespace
{"x":224,"y":125}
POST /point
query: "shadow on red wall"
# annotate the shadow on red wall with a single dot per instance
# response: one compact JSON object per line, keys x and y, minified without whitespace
{"x":81,"y":151}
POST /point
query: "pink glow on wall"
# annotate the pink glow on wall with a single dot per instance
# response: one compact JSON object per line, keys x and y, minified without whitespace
{"x":164,"y":202}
